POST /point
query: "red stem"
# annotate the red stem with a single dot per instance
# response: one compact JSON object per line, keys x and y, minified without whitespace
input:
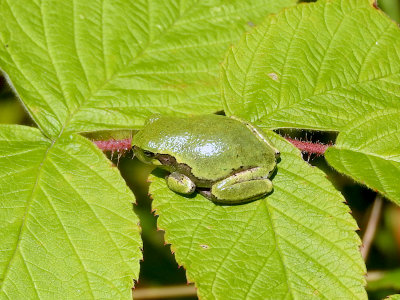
{"x":309,"y":147}
{"x":114,"y":145}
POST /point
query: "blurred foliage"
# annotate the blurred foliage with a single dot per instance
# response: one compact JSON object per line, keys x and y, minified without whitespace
{"x":159,"y":267}
{"x":391,"y":7}
{"x":11,"y":110}
{"x":390,"y":280}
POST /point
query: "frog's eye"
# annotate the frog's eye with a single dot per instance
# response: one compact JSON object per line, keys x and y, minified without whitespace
{"x":148,"y":153}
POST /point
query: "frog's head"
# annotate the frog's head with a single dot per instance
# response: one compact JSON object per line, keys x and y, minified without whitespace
{"x":143,"y":142}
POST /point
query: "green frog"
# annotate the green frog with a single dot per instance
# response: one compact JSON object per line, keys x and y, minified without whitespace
{"x":226,"y":159}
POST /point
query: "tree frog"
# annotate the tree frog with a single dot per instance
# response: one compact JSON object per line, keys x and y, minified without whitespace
{"x":226,"y":159}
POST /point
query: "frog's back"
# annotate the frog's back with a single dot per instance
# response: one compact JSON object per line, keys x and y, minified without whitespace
{"x":214,"y":146}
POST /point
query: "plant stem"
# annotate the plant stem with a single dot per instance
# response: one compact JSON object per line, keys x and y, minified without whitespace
{"x":165,"y":292}
{"x":114,"y":145}
{"x":309,"y":147}
{"x":371,"y":226}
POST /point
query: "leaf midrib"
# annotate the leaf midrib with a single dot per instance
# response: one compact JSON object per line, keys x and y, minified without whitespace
{"x":367,"y":154}
{"x":24,"y":218}
{"x":141,"y":53}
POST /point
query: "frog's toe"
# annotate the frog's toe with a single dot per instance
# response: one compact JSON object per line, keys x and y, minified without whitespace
{"x":180,"y":183}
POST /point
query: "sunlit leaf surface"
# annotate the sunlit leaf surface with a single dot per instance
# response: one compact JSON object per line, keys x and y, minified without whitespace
{"x":67,"y":229}
{"x":369,"y":151}
{"x":297,"y":243}
{"x":318,"y":66}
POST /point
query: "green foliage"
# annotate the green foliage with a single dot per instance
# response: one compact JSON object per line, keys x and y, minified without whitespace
{"x":67,"y":226}
{"x":387,"y":280}
{"x":99,"y":65}
{"x":368,"y":150}
{"x":324,"y":66}
{"x":299,"y":242}
{"x":391,"y":7}
{"x":68,"y":230}
{"x":318,"y":66}
{"x":394,"y":297}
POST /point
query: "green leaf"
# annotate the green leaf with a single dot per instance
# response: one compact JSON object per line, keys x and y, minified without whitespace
{"x":91,"y":65}
{"x":297,"y":243}
{"x":368,"y":150}
{"x":67,"y":229}
{"x":394,"y":297}
{"x":385,"y":280}
{"x":317,"y":66}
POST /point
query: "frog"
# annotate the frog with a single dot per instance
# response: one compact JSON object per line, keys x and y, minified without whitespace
{"x":226,"y":159}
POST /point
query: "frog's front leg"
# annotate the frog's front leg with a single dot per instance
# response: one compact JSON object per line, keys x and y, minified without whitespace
{"x":180,"y":183}
{"x":242,"y":187}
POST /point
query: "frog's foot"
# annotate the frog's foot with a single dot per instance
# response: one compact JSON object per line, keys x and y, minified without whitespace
{"x":242,"y":187}
{"x":180,"y":183}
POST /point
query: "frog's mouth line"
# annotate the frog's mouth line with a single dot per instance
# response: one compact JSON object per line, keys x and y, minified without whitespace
{"x":169,"y":162}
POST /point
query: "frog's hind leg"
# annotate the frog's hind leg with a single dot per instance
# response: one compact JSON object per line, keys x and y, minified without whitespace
{"x":242,"y":187}
{"x":180,"y":183}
